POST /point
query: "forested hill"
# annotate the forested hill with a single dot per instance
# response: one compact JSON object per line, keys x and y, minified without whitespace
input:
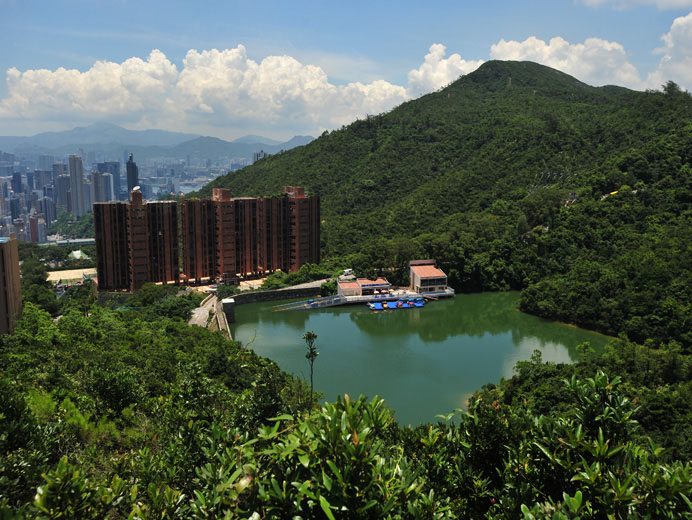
{"x":505,"y":177}
{"x":489,"y":135}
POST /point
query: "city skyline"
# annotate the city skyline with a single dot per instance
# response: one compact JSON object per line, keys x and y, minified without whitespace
{"x":233,"y":68}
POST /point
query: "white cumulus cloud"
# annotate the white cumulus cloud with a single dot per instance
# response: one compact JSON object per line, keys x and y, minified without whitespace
{"x":107,"y":89}
{"x":228,"y":85}
{"x":595,"y":61}
{"x":438,"y":71}
{"x":213,"y":89}
{"x":676,"y":62}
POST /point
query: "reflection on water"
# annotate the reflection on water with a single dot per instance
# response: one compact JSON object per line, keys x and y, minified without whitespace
{"x":422,"y":361}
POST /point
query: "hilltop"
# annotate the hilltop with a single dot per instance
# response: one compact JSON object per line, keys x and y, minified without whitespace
{"x":504,"y":176}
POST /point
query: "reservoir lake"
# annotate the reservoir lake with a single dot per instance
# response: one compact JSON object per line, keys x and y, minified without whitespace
{"x":423,"y":362}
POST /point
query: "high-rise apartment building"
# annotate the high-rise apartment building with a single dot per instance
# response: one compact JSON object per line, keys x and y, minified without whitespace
{"x":17,"y":186}
{"x":64,"y":198}
{"x":42,"y":178}
{"x":108,"y":187}
{"x":304,"y":225}
{"x":10,"y":286}
{"x":47,"y":207}
{"x":132,"y":174}
{"x":112,"y":167}
{"x":223,"y":238}
{"x":45,"y":162}
{"x":98,"y":188}
{"x":136,"y":243}
{"x":228,"y":239}
{"x":77,"y":186}
{"x":57,"y":170}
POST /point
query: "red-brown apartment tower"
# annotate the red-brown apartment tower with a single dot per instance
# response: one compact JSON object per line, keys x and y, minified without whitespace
{"x":247,"y":236}
{"x":136,"y":243}
{"x":112,"y":245}
{"x":10,"y":284}
{"x":304,"y":223}
{"x":198,"y":235}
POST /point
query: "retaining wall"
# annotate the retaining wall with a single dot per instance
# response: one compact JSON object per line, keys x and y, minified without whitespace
{"x":278,"y":294}
{"x":269,"y":296}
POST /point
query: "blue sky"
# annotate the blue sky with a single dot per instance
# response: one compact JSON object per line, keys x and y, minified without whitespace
{"x":229,"y":68}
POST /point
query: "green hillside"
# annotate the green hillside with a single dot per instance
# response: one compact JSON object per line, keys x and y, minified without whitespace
{"x":578,"y":195}
{"x":504,"y":177}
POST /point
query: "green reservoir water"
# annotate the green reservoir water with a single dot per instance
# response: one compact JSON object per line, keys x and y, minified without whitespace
{"x":423,"y":362}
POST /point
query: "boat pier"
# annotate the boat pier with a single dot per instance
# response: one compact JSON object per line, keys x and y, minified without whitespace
{"x":334,"y":301}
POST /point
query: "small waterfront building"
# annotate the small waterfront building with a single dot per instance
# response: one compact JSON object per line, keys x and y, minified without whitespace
{"x":363,"y":287}
{"x":370,"y":287}
{"x":426,"y":277}
{"x":348,"y":288}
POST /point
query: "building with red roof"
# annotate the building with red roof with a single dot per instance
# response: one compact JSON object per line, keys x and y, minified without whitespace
{"x":364,"y":287}
{"x":426,"y":277}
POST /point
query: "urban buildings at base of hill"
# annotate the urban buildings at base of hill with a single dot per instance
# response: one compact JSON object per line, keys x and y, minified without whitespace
{"x":223,"y":239}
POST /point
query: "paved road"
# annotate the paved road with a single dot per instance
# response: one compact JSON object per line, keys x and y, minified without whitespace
{"x":200,"y":315}
{"x":314,"y":284}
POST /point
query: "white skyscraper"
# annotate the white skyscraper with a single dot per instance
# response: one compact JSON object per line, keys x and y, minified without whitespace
{"x":77,"y":186}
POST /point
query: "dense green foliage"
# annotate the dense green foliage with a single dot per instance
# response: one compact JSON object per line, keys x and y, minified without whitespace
{"x":106,"y":387}
{"x":149,"y":427}
{"x":516,"y":176}
{"x":37,"y":290}
{"x":504,"y":177}
{"x":306,"y":273}
{"x":69,"y":227}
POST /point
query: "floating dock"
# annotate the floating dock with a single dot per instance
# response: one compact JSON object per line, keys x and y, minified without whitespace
{"x":335,"y":301}
{"x":405,"y":303}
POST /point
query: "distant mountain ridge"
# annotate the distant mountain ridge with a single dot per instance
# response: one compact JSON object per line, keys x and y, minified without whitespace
{"x":114,"y":140}
{"x":97,"y":133}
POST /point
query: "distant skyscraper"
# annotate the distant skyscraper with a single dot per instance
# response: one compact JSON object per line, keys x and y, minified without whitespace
{"x":17,"y":187}
{"x":15,"y":208}
{"x":48,"y":209}
{"x":10,"y":287}
{"x":33,"y":228}
{"x":108,"y":187}
{"x":256,"y":156}
{"x":112,"y":167}
{"x":98,"y":190}
{"x":88,"y":201}
{"x":42,"y":178}
{"x":45,"y":162}
{"x":132,"y":174}
{"x":63,"y":199}
{"x":77,"y":186}
{"x":30,"y":180}
{"x":58,"y":169}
